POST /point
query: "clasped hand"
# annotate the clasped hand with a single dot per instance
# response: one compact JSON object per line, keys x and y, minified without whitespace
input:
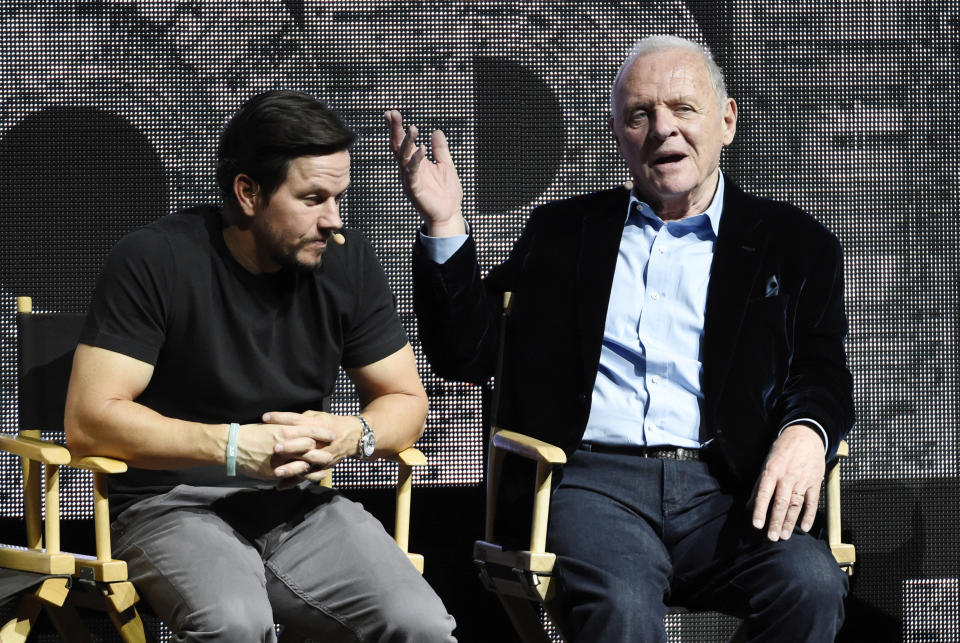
{"x":290,"y":446}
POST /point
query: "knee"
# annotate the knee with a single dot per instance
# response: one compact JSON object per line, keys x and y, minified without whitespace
{"x":227,"y":620}
{"x":814,"y":581}
{"x":415,"y":619}
{"x":591,"y":602}
{"x":821,"y":593}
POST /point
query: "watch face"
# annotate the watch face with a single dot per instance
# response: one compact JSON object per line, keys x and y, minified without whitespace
{"x":367,"y":444}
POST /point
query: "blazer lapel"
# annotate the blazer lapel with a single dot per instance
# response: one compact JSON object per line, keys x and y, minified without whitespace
{"x":601,"y":230}
{"x":741,"y":244}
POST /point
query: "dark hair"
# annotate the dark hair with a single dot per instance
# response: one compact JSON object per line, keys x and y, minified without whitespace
{"x":270,"y":130}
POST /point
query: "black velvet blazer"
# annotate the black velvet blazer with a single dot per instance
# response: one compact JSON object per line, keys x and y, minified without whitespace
{"x":773,"y":338}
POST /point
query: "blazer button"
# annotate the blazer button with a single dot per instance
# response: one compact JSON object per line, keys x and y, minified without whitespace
{"x":582,"y":398}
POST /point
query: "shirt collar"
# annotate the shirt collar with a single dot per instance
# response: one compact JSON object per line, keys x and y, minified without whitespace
{"x":713,"y":211}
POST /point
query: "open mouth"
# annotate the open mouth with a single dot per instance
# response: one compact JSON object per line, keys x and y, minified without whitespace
{"x":669,"y":158}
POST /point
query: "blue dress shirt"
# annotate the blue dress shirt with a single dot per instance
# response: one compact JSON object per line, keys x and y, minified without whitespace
{"x":647,"y":391}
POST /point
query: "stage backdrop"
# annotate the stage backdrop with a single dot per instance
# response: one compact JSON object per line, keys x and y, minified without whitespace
{"x":110,"y":111}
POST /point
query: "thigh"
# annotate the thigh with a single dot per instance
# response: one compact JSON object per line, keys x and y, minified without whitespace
{"x":789,"y":590}
{"x":335,"y":573}
{"x":201,"y":578}
{"x":612,"y":566}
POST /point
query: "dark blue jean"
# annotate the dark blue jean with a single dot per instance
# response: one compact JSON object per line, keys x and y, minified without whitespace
{"x":634,"y":535}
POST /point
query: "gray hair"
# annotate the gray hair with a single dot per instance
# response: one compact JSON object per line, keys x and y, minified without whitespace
{"x":663,"y":42}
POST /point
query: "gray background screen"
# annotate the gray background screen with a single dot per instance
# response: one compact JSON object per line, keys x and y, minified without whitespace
{"x":110,"y":111}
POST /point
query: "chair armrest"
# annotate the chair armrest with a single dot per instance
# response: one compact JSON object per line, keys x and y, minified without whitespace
{"x":410,"y":456}
{"x":99,"y":464}
{"x":406,"y":460}
{"x":843,"y":449}
{"x":527,"y":447}
{"x":844,"y":553}
{"x":35,"y":449}
{"x":545,"y":455}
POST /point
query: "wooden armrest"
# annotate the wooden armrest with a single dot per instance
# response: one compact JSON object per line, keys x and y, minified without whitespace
{"x":99,"y":464}
{"x":539,"y":563}
{"x":843,"y":450}
{"x":35,"y":449}
{"x":410,"y":457}
{"x":527,"y":447}
{"x":407,"y":459}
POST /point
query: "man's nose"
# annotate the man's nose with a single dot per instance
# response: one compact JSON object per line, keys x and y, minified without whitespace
{"x":663,"y":124}
{"x":329,"y":218}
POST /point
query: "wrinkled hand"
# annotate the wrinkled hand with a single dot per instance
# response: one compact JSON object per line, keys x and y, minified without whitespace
{"x":312,"y":442}
{"x":791,"y":479}
{"x":433,"y":188}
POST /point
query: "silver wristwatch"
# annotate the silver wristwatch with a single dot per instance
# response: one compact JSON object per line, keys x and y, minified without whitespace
{"x":368,"y":441}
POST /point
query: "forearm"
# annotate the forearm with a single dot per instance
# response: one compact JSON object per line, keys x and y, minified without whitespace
{"x":142,"y":437}
{"x":397,"y":420}
{"x":456,"y":316}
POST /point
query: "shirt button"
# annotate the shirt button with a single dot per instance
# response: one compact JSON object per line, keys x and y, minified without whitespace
{"x":662,"y":249}
{"x":655,"y":296}
{"x":652,"y":426}
{"x":655,"y":379}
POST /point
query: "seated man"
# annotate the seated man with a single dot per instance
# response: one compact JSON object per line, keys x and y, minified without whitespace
{"x":682,"y":341}
{"x":212,"y":334}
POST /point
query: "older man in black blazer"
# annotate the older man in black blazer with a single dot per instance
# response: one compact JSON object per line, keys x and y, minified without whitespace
{"x":683,"y":342}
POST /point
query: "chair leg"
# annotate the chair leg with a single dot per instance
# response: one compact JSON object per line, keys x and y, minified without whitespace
{"x":120,"y":601}
{"x":129,"y":625}
{"x":52,"y":591}
{"x":525,"y":617}
{"x":17,"y":629}
{"x":68,"y":623}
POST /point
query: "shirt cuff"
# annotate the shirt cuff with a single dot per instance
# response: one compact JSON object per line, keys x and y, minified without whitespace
{"x":813,"y":424}
{"x":440,"y":249}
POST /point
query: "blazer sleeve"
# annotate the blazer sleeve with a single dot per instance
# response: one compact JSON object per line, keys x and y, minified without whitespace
{"x":818,"y":384}
{"x":458,"y":310}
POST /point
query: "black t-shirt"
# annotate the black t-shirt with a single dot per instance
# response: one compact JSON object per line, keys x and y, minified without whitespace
{"x":227,"y":345}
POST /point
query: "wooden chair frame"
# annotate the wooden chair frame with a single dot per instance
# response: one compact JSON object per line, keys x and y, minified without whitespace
{"x":99,"y":581}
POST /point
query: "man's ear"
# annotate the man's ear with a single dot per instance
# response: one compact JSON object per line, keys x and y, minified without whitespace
{"x":729,"y":121}
{"x":247,"y":193}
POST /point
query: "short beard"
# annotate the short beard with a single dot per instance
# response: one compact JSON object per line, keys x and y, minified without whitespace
{"x":289,"y":259}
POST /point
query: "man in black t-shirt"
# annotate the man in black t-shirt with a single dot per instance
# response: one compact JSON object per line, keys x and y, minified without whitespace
{"x":213,"y":336}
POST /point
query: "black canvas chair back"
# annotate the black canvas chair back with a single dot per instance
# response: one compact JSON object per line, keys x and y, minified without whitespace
{"x":46,"y":345}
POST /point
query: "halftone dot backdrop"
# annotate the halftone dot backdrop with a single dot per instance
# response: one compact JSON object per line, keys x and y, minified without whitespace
{"x":110,"y":111}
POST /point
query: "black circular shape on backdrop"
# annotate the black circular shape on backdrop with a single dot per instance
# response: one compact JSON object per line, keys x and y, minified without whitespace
{"x":73,"y":180}
{"x":520,"y":134}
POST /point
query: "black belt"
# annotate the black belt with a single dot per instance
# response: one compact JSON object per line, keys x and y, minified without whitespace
{"x":663,"y":452}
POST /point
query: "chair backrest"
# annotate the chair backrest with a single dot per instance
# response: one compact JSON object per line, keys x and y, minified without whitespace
{"x":46,"y":343}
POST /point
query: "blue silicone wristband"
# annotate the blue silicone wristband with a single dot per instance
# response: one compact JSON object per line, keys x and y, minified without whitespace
{"x":232,"y":449}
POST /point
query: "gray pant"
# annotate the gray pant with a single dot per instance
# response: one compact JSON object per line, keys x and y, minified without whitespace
{"x":221,"y":564}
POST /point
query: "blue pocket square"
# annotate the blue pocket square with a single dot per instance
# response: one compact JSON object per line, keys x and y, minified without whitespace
{"x":773,"y":287}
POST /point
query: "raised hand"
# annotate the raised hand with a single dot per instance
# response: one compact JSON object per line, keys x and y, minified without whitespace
{"x":433,"y":187}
